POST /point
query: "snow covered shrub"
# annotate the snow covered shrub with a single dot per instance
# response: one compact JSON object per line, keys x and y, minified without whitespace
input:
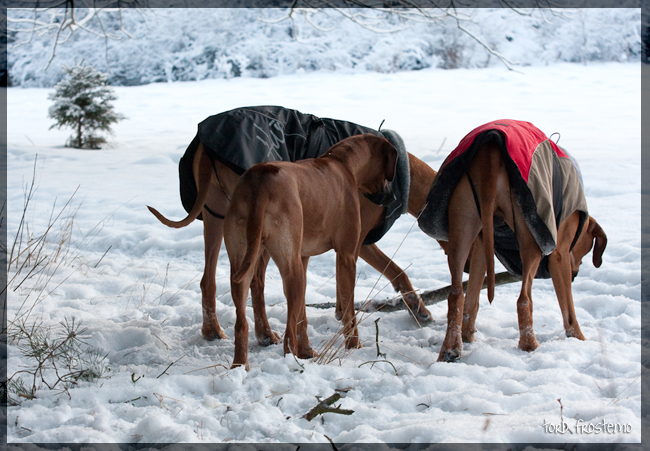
{"x":58,"y":358}
{"x":83,"y":102}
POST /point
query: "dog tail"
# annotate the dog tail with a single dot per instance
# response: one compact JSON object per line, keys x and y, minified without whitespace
{"x":490,"y":162}
{"x":205,"y":175}
{"x":253,"y":237}
{"x":600,"y":241}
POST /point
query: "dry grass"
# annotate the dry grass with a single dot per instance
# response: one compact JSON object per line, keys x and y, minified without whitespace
{"x":58,"y":355}
{"x":334,"y":349}
{"x":35,"y":260}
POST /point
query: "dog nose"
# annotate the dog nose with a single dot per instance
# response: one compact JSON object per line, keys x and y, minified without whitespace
{"x":388,"y":198}
{"x":387,"y":195}
{"x":383,"y":197}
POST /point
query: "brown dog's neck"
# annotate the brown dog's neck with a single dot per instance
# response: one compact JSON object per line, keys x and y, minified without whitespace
{"x":354,"y":160}
{"x":422,"y":177}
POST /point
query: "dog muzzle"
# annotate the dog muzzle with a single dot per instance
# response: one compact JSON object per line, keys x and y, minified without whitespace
{"x":383,"y":197}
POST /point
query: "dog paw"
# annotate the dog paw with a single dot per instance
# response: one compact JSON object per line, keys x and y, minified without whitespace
{"x":468,"y":337}
{"x":529,"y":345}
{"x":352,"y":343}
{"x":237,"y":365}
{"x":420,"y":313}
{"x":468,"y":332}
{"x":417,"y":308}
{"x":268,"y":339}
{"x":213,"y":334}
{"x":449,"y":355}
{"x":577,"y":333}
{"x":423,"y":316}
{"x":338,"y":314}
{"x":307,"y":354}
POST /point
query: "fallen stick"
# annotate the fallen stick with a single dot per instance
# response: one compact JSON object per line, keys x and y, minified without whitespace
{"x":324,"y":407}
{"x":428,"y":297}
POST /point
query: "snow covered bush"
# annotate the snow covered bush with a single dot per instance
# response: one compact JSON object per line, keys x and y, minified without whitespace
{"x":59,"y":358}
{"x":175,"y":44}
{"x":83,"y":102}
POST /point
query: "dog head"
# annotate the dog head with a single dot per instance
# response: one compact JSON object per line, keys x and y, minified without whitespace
{"x":592,"y":236}
{"x":383,"y":154}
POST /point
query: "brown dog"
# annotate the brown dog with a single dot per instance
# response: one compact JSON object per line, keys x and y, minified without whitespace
{"x":215,"y":181}
{"x":297,"y":210}
{"x":487,"y":191}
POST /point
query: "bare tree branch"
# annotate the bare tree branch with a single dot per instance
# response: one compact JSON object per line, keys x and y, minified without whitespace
{"x":429,"y":297}
{"x":63,"y":19}
{"x":379,"y":17}
{"x":487,"y":48}
{"x":376,"y":19}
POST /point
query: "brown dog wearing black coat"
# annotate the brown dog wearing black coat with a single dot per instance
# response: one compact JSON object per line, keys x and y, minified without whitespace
{"x":221,"y":152}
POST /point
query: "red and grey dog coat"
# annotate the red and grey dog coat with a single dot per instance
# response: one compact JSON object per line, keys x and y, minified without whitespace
{"x":546,"y":182}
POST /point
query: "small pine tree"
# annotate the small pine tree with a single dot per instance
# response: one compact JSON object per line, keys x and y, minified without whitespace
{"x":83,"y":102}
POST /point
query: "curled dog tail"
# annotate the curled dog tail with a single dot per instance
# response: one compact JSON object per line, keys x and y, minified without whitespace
{"x":204,"y":179}
{"x":490,"y":160}
{"x":253,"y":237}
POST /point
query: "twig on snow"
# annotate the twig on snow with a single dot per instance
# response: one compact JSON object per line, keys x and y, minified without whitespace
{"x":324,"y":407}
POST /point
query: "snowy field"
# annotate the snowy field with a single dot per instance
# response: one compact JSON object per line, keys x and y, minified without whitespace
{"x":135,"y":283}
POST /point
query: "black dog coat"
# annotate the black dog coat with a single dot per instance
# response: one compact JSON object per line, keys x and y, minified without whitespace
{"x":246,"y":136}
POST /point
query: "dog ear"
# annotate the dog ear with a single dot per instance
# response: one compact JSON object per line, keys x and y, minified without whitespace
{"x":600,"y":241}
{"x":391,"y":163}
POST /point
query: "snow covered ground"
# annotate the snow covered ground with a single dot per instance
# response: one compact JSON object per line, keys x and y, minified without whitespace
{"x":135,"y":283}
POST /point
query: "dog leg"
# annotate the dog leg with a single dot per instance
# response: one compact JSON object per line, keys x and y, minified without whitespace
{"x":464,"y":226}
{"x":346,"y":266}
{"x":296,"y":340}
{"x":244,"y":251}
{"x":265,"y":336}
{"x":240,"y":281}
{"x":239,"y":291}
{"x":474,"y":285}
{"x":398,"y":278}
{"x":452,"y":345}
{"x":530,"y":258}
{"x":559,"y":265}
{"x":338,"y":311}
{"x":305,"y":350}
{"x":212,"y":235}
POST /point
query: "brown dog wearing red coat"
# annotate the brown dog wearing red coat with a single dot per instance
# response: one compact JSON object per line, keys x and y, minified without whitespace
{"x":297,"y":210}
{"x":507,"y":173}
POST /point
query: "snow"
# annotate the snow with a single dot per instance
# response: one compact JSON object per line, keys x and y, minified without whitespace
{"x":135,"y":283}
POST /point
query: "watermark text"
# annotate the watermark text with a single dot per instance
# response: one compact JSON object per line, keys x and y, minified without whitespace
{"x":583,"y":427}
